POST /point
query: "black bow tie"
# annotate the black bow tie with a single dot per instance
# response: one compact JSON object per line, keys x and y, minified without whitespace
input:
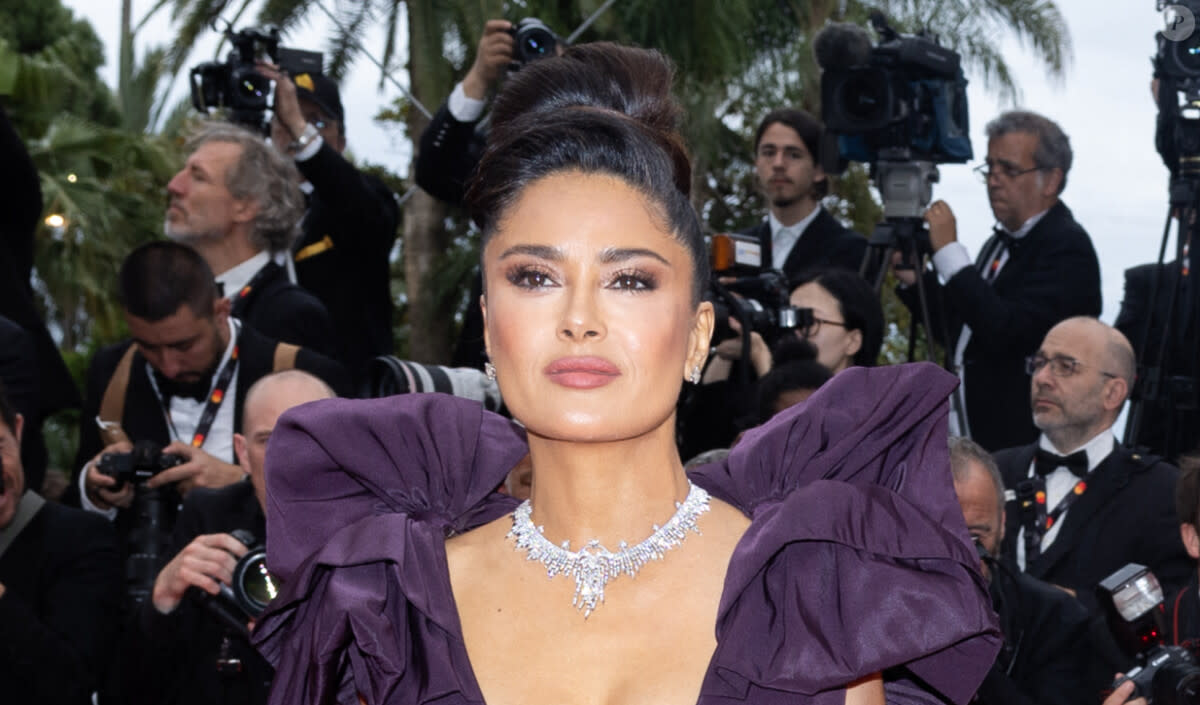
{"x":1046,"y":462}
{"x":187,"y":390}
{"x":1006,"y":238}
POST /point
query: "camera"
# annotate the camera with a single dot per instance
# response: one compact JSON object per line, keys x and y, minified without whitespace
{"x":906,"y":95}
{"x":251,"y":590}
{"x":142,"y":463}
{"x":760,"y":299}
{"x":388,"y":375}
{"x":235,"y":84}
{"x":1179,"y":59}
{"x":532,"y":40}
{"x":1132,"y":599}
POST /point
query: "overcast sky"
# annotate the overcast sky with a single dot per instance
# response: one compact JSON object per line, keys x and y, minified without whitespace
{"x":1117,"y":187}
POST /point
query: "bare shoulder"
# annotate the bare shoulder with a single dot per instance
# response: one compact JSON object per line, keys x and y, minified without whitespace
{"x":474,"y":550}
{"x":866,"y":691}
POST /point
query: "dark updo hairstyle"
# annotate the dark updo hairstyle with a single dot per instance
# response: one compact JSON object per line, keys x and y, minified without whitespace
{"x":794,"y":368}
{"x":858,"y":304}
{"x":597,"y":109}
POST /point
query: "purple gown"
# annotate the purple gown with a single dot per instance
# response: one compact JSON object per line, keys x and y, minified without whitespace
{"x":857,"y":559}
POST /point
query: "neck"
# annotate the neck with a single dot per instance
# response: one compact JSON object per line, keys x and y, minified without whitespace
{"x":611,"y":492}
{"x":1070,"y":439}
{"x":223,"y":254}
{"x":794,"y":212}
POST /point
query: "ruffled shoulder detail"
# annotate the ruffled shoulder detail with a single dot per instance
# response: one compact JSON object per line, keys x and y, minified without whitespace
{"x":361,"y":496}
{"x":857,"y":559}
{"x":433,"y":457}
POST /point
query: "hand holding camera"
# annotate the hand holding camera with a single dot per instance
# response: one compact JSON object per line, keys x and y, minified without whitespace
{"x":105,"y":491}
{"x":494,"y":54}
{"x":197,"y":469}
{"x":206,"y":563}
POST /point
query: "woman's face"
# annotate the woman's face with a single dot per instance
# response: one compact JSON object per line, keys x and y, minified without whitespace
{"x":835,"y":345}
{"x":588,"y":310}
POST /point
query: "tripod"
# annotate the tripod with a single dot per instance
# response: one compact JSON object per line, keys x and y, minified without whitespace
{"x":1167,"y":379}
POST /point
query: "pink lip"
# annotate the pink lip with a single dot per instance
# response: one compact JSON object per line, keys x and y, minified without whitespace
{"x":582,"y":372}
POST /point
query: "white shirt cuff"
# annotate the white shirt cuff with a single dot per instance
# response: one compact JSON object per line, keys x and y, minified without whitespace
{"x":310,"y":150}
{"x":86,"y":503}
{"x":951,"y":259}
{"x":462,"y":107}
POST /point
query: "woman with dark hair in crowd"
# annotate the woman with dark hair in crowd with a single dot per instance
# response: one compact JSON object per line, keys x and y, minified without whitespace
{"x":824,"y":561}
{"x":847,"y":317}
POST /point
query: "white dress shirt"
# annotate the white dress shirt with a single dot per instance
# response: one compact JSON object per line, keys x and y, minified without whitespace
{"x":785,"y":237}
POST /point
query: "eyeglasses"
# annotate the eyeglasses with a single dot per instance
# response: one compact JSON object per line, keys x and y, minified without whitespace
{"x":1060,"y":365}
{"x":810,"y":330}
{"x":1002,"y":169}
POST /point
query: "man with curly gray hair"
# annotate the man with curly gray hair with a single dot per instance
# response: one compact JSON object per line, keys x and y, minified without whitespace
{"x":237,"y":202}
{"x":1038,"y":268}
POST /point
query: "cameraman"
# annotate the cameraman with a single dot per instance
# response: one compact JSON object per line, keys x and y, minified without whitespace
{"x":1036,"y":270}
{"x":194,"y":655}
{"x":177,"y":382}
{"x":344,"y":253}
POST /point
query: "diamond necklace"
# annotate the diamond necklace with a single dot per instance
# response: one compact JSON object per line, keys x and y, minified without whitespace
{"x":593,"y":566}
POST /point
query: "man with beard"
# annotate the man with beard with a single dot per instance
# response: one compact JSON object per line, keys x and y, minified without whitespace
{"x":1080,"y":506}
{"x":238,"y":203}
{"x":798,"y":234}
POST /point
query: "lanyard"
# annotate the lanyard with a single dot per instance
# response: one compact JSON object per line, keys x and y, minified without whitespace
{"x":215,"y":397}
{"x":241,"y":298}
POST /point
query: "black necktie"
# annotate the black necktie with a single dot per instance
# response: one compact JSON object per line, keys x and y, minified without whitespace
{"x":1046,"y":462}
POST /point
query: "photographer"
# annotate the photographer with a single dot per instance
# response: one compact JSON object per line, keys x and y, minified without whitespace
{"x":798,"y":234}
{"x":1183,"y":607}
{"x":194,"y":656}
{"x":177,"y":382}
{"x":343,"y":255}
{"x":60,"y":586}
{"x":1036,"y":270}
{"x":1045,"y":656}
{"x":236,"y":202}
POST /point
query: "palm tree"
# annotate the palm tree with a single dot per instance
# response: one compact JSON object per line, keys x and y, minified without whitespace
{"x":736,"y":59}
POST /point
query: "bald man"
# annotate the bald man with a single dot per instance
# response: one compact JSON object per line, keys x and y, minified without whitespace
{"x":184,"y":642}
{"x":1080,"y":506}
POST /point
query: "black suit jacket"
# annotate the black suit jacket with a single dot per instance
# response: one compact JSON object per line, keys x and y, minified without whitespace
{"x":825,"y":243}
{"x":181,"y":648}
{"x":1166,"y":428}
{"x":143,"y":416}
{"x":281,"y":310}
{"x":59,"y":611}
{"x":1127,"y":515}
{"x":1051,"y":275}
{"x":1046,"y":654}
{"x":344,"y":254}
{"x":447,"y":155}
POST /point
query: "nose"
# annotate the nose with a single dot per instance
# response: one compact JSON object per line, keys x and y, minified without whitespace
{"x":581,"y":318}
{"x":176,"y":184}
{"x":170,"y":365}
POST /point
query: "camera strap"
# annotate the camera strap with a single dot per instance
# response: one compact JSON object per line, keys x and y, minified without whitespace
{"x":215,"y":398}
{"x":27,"y":508}
{"x":1031,"y":497}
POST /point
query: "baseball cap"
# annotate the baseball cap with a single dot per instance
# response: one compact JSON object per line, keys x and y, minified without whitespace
{"x":322,"y":90}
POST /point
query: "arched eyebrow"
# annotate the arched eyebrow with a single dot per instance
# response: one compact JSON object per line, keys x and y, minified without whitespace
{"x":609,"y":255}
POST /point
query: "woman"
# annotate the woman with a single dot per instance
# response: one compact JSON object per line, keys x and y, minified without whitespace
{"x":408,"y":580}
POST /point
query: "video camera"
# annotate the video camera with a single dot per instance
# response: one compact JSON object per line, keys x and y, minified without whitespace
{"x":252,"y":589}
{"x":532,"y":40}
{"x":1132,"y":599}
{"x":235,"y":84}
{"x":142,"y":463}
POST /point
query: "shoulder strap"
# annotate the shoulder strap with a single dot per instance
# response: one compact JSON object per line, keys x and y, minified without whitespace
{"x":112,"y":405}
{"x":285,"y":356}
{"x":27,"y":508}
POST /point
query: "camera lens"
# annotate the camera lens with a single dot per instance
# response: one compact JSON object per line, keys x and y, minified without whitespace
{"x":254,"y":586}
{"x":864,"y":99}
{"x":1186,"y":56}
